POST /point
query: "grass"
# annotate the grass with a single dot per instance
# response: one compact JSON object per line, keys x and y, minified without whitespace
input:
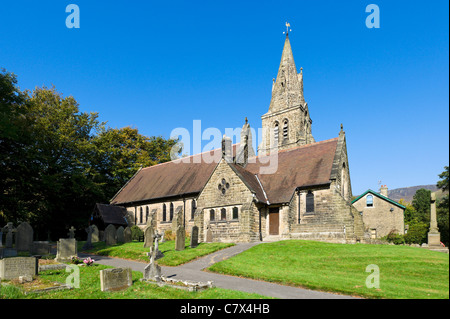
{"x":136,"y":251}
{"x":405,"y":272}
{"x":90,"y":289}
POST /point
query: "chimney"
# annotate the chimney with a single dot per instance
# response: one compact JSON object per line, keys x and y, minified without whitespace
{"x":384,"y":190}
{"x":226,"y":149}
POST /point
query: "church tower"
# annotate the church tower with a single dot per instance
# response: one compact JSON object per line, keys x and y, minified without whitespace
{"x":287,"y":123}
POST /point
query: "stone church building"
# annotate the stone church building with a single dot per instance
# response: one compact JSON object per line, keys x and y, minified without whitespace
{"x":295,"y":187}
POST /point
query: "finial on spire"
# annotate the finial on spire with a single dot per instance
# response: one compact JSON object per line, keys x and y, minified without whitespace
{"x":342,"y":127}
{"x":246,"y":121}
{"x":288,"y":25}
{"x":301,"y":70}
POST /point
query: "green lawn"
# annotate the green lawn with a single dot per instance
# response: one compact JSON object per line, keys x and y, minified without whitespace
{"x":136,"y":251}
{"x":405,"y":272}
{"x":90,"y":289}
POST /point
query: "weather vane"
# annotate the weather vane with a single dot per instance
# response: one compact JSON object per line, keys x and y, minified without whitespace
{"x":288,"y":25}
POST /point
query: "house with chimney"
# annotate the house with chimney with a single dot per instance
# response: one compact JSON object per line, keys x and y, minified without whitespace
{"x":295,"y":187}
{"x":380,"y":214}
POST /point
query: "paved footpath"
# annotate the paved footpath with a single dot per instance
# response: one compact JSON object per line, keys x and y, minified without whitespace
{"x":193,"y":271}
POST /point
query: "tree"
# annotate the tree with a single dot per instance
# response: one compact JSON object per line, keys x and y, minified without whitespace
{"x":421,"y":202}
{"x":442,"y":206}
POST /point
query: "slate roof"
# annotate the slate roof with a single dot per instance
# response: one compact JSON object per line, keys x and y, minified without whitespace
{"x":303,"y":166}
{"x":112,"y":214}
{"x":378,"y":195}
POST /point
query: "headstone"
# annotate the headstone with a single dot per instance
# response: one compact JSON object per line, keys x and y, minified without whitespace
{"x":9,"y":230}
{"x":180,"y":239}
{"x":115,"y":279}
{"x":149,"y":236}
{"x":24,"y":237}
{"x":95,"y":234}
{"x":14,"y":267}
{"x":66,"y":248}
{"x":120,"y":235}
{"x":153,"y":271}
{"x":178,"y":219}
{"x":41,"y":248}
{"x":110,"y":235}
{"x":209,"y":237}
{"x":127,"y":235}
{"x":71,"y":232}
{"x":88,"y":245}
{"x":194,"y":237}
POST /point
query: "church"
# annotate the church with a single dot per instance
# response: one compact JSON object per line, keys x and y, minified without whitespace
{"x":295,"y":188}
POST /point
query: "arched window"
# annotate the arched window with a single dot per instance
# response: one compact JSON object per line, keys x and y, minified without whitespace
{"x":275,"y":133}
{"x":310,"y":202}
{"x":223,"y":214}
{"x":343,"y":181}
{"x":193,"y":208}
{"x":146,"y":214}
{"x":171,"y":211}
{"x":285,"y":130}
{"x":164,"y":212}
{"x":140,"y":216}
{"x":369,"y":201}
{"x":211,"y":214}
{"x":235,"y":213}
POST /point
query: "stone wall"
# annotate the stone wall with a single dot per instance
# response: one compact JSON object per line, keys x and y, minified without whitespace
{"x":236,"y":194}
{"x":379,"y":219}
{"x":334,"y":219}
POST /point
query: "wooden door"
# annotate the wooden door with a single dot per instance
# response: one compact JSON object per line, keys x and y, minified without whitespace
{"x":274,"y":221}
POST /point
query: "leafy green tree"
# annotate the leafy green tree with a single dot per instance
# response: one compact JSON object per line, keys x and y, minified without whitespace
{"x":421,"y":202}
{"x":442,"y":206}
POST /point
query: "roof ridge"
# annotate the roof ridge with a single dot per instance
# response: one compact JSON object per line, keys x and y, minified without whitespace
{"x":184,"y":158}
{"x":301,"y":146}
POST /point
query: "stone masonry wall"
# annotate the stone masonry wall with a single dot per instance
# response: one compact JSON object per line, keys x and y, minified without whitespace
{"x":379,"y":217}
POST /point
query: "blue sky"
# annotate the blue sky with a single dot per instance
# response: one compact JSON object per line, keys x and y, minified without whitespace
{"x":160,"y":65}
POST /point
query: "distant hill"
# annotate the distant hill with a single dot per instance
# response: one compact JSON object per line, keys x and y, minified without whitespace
{"x":407,"y":193}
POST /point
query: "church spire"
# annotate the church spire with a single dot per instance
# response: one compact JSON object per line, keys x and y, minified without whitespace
{"x":287,"y":90}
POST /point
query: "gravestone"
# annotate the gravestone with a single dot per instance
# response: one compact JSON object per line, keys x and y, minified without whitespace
{"x":71,"y":232}
{"x":14,"y":267}
{"x":110,"y":235}
{"x":180,"y":239}
{"x":194,"y":237}
{"x":24,"y":237}
{"x":127,"y":235}
{"x":95,"y":234}
{"x":178,"y":219}
{"x":115,"y":279}
{"x":149,"y":236}
{"x":209,"y":237}
{"x":66,"y":248}
{"x":9,"y":230}
{"x":120,"y":235}
{"x":153,"y":271}
{"x":88,"y":245}
{"x":41,"y":248}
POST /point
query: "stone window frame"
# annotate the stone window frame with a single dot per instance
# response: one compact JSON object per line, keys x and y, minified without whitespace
{"x":171,"y":211}
{"x":147,"y":211}
{"x":164,"y":212}
{"x":235,"y":209}
{"x":223,"y":214}
{"x":276,"y":132}
{"x":193,"y":208}
{"x":141,"y":215}
{"x":212,"y":213}
{"x":310,"y":197}
{"x":285,"y":129}
{"x":367,"y":201}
